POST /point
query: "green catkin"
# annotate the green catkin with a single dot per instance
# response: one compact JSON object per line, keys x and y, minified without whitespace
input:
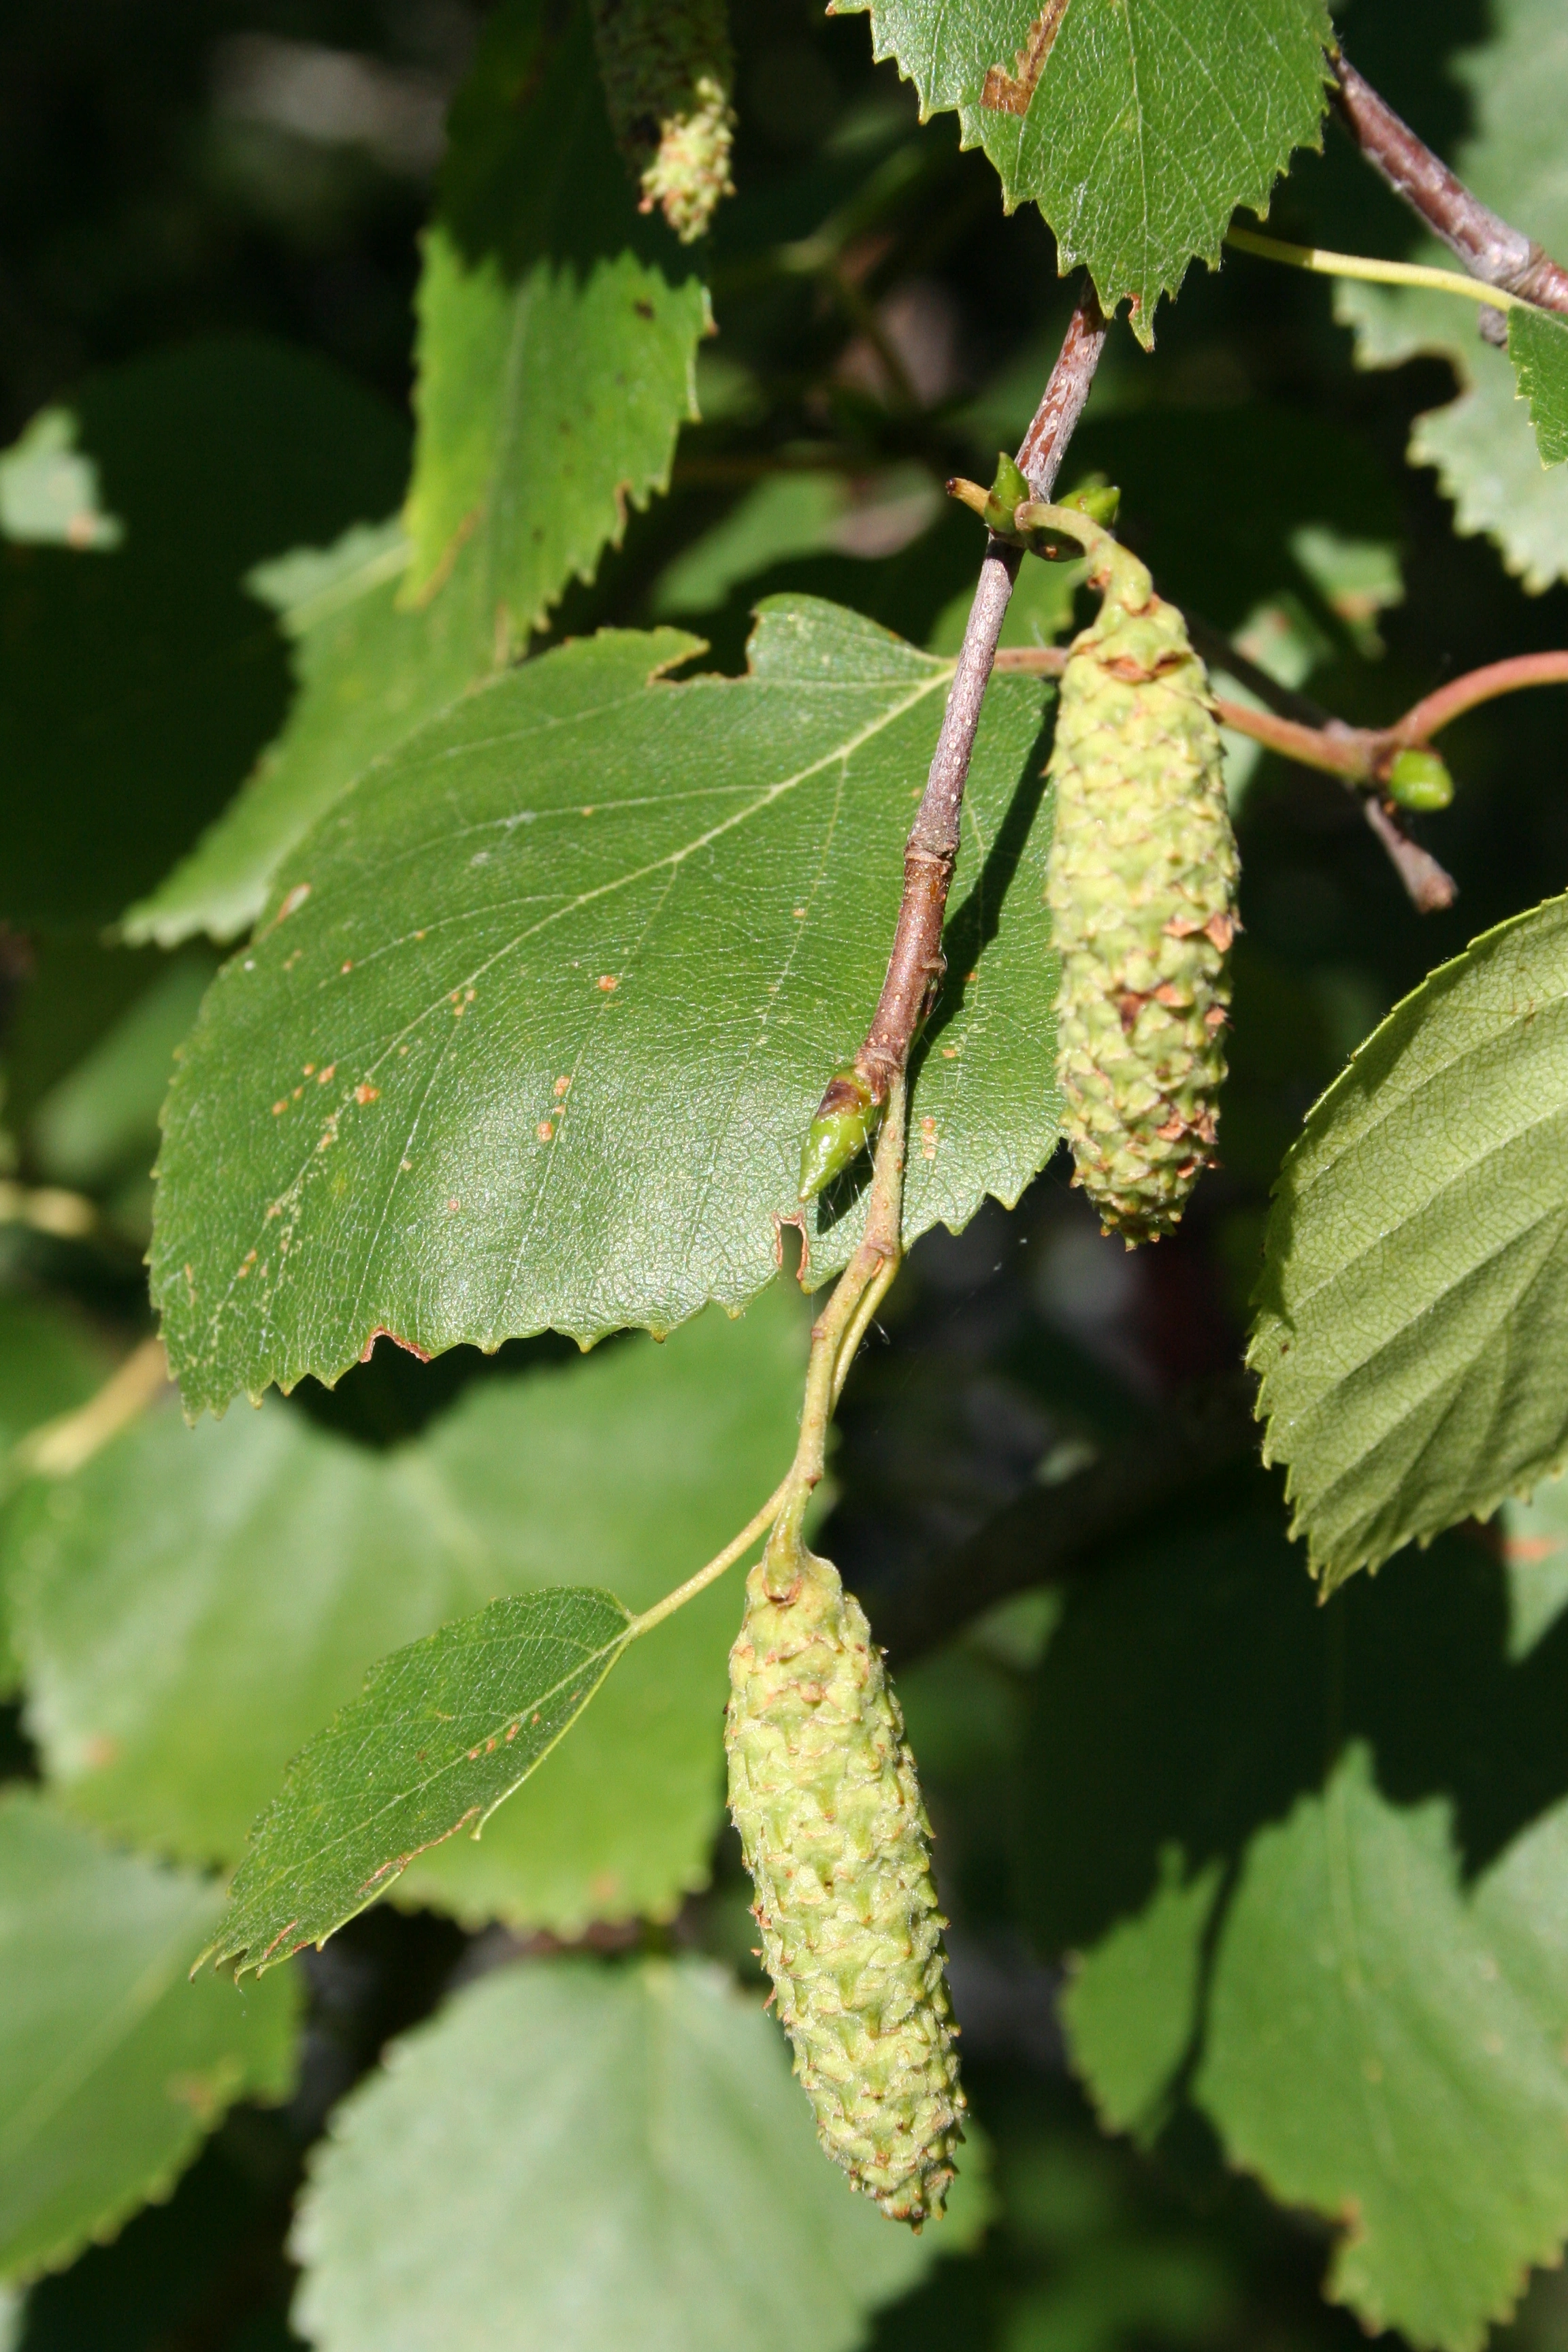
{"x":668,"y":71}
{"x":823,"y":1791}
{"x":1141,"y":883}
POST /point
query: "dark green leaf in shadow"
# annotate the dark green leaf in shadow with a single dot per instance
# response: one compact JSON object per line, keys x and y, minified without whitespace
{"x":139,"y":683}
{"x":1316,"y":1890}
{"x":558,"y":329}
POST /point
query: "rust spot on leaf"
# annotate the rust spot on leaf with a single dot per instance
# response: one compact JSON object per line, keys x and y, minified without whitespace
{"x":1009,"y":93}
{"x":407,"y":1346}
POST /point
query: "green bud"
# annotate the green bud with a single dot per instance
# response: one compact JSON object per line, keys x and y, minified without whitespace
{"x":1007,"y":491}
{"x":1420,"y":781}
{"x":1099,"y":499}
{"x":846,"y":1119}
{"x":1141,"y":883}
{"x":823,"y":1791}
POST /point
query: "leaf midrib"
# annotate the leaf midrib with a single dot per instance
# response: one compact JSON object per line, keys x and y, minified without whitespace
{"x":842,"y":752}
{"x":419,"y":1789}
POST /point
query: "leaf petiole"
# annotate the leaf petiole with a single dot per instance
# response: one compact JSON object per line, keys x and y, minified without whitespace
{"x":1374,"y":272}
{"x":835,"y":1342}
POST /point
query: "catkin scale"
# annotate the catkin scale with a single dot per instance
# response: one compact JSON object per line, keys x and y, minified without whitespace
{"x":667,"y":71}
{"x":1141,"y":883}
{"x":823,"y":1791}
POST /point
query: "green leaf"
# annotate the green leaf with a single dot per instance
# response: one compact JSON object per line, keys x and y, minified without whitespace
{"x":49,"y":1364}
{"x":1370,"y":2052}
{"x":1414,"y":1299}
{"x":541,"y":1014}
{"x":558,"y":329}
{"x":1534,"y":1536}
{"x":643,"y":2119}
{"x":137,"y":685}
{"x":102,"y":1119}
{"x":441,"y":1734}
{"x":219,"y":1592}
{"x":366,"y":675}
{"x":1537,"y":346}
{"x":49,"y":491}
{"x":1486,"y":457}
{"x":1137,"y":128}
{"x":112,"y":2067}
{"x":1316,"y":1887}
{"x":801,"y":513}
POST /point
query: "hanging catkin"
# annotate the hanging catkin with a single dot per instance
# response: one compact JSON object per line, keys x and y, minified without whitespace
{"x":823,"y":1791}
{"x":1141,"y":882}
{"x":667,"y":71}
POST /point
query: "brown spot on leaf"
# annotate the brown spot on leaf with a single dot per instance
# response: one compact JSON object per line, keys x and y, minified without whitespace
{"x":366,"y":1094}
{"x":407,"y":1346}
{"x":1009,"y":93}
{"x":609,"y":983}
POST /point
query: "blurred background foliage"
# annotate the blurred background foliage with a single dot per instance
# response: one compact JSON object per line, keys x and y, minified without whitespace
{"x":249,"y":178}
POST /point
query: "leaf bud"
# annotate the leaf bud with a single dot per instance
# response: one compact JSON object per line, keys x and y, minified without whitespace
{"x":1419,"y":779}
{"x":846,"y":1119}
{"x":1099,"y":499}
{"x":1008,"y":490}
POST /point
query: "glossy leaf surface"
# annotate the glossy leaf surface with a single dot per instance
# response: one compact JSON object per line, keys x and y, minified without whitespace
{"x":541,"y":1011}
{"x":1137,"y":129}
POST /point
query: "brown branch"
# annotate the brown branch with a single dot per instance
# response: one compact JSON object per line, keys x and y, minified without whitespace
{"x":1428,"y":886}
{"x":1051,"y":1531}
{"x":915,"y":965}
{"x":1477,"y":685}
{"x":1490,"y":247}
{"x":1360,"y":756}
